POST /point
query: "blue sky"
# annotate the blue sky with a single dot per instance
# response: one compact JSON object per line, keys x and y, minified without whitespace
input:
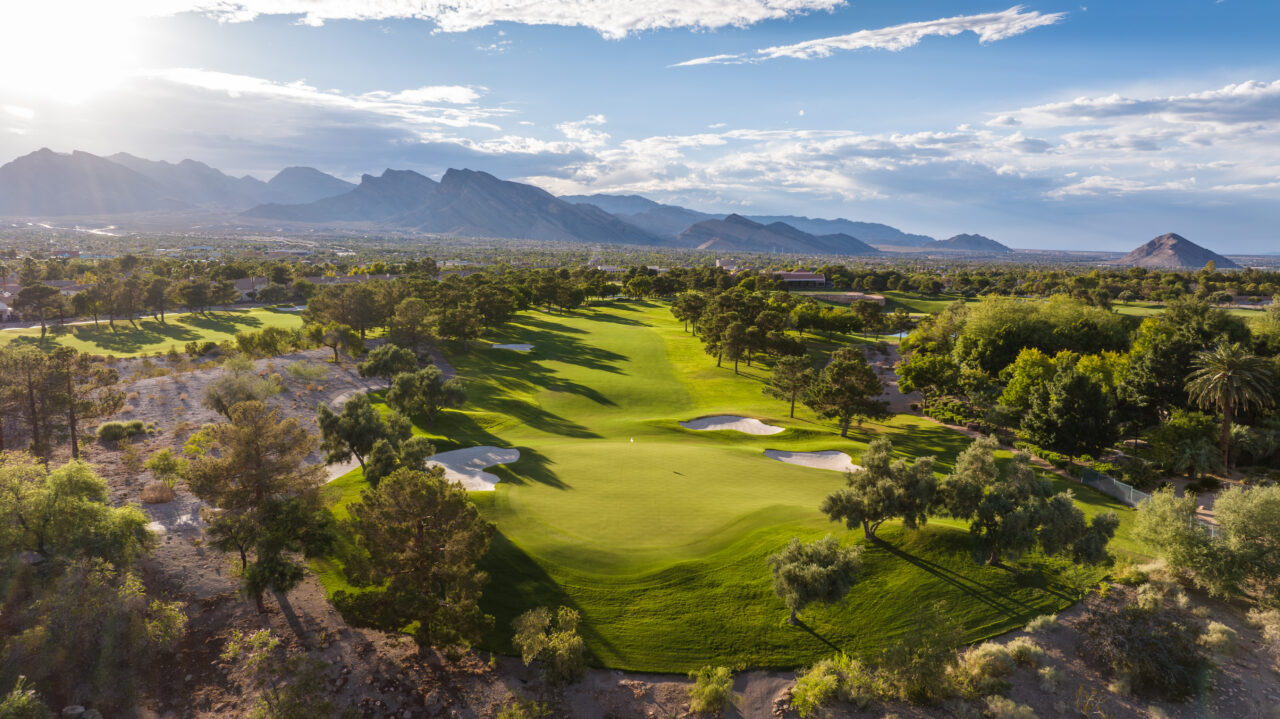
{"x":1041,"y":125}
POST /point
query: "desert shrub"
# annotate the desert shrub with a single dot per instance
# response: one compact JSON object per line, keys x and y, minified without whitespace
{"x":1150,"y":596}
{"x":287,"y":685}
{"x":910,"y":669}
{"x":523,"y":708}
{"x":839,"y":678}
{"x":1043,"y":623}
{"x":1219,"y":638}
{"x":200,"y":349}
{"x":981,"y":670}
{"x":116,"y":431}
{"x":711,"y":691}
{"x":1153,"y":651}
{"x":555,"y":642}
{"x":157,"y":493}
{"x":1005,"y":708}
{"x":270,"y":341}
{"x":1025,"y":651}
{"x":1050,"y":679}
{"x":22,"y":702}
{"x":166,"y":467}
{"x":307,"y":371}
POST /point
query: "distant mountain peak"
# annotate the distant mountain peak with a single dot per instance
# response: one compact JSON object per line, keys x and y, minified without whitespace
{"x":969,"y":243}
{"x":1173,"y":251}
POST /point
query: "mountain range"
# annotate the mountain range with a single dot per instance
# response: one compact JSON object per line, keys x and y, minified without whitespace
{"x":51,"y":184}
{"x":738,"y":233}
{"x":463,"y":202}
{"x":1173,"y":251}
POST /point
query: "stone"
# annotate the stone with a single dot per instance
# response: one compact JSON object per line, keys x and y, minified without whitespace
{"x":75,"y":711}
{"x":91,"y":714}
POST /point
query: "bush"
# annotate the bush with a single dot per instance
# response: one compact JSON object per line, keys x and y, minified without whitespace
{"x":1154,"y":651}
{"x":116,"y":431}
{"x":200,"y":349}
{"x":981,"y":670}
{"x":307,"y":371}
{"x":556,"y":643}
{"x":1004,"y":708}
{"x":1050,"y":679}
{"x":523,"y":708}
{"x":1219,"y":638}
{"x":712,"y":690}
{"x":839,"y":678}
{"x":1025,"y":651}
{"x":910,"y":669}
{"x":1043,"y":623}
{"x":157,"y":493}
{"x":22,"y":702}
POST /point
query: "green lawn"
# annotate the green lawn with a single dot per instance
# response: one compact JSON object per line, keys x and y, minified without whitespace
{"x":659,"y":535}
{"x":1147,"y":309}
{"x":149,"y":336}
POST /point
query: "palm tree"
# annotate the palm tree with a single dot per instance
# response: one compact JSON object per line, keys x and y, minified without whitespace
{"x":1228,"y":379}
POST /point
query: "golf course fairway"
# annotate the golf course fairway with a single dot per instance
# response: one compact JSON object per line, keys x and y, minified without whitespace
{"x":659,"y":536}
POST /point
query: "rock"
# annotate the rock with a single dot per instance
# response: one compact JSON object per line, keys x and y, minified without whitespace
{"x":91,"y":714}
{"x":75,"y":711}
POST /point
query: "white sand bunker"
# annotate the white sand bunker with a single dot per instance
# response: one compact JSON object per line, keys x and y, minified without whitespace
{"x":516,"y":347}
{"x":733,"y":422}
{"x":832,"y":459}
{"x":466,"y":466}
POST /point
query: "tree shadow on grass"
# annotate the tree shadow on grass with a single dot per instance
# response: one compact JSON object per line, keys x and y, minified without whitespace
{"x":800,"y":624}
{"x":517,"y":583}
{"x":978,"y":590}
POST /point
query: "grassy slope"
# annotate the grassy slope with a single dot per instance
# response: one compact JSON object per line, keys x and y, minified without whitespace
{"x":661,"y":542}
{"x":150,"y":336}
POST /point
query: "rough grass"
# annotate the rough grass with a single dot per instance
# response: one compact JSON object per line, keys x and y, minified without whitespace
{"x":659,"y":535}
{"x":149,"y":336}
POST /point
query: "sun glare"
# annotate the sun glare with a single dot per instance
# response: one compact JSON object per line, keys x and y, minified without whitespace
{"x":65,"y":51}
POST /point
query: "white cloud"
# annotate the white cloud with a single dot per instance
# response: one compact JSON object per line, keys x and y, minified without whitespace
{"x":413,"y":107}
{"x":22,"y":113}
{"x":581,"y":132}
{"x":611,"y":18}
{"x":1245,"y":102}
{"x":453,"y":94}
{"x":989,"y":27}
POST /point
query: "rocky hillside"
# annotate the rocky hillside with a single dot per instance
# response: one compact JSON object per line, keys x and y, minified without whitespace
{"x":969,"y":243}
{"x":1173,"y":251}
{"x":737,"y":233}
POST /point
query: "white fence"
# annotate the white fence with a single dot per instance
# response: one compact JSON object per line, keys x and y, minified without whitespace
{"x":1113,"y":487}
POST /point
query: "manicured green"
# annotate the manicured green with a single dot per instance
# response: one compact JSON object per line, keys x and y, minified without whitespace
{"x":148,"y":336}
{"x":1147,"y":309}
{"x":659,"y":535}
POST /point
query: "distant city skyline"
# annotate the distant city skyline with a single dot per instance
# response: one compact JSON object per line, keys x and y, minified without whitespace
{"x":1040,"y":125}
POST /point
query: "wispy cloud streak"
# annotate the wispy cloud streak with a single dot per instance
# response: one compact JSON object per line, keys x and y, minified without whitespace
{"x":989,"y":27}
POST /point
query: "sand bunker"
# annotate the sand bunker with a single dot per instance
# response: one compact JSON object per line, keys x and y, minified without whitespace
{"x":516,"y":347}
{"x":733,"y":422}
{"x":832,"y":459}
{"x":466,"y":466}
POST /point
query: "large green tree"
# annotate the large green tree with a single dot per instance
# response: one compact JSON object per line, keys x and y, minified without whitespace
{"x":421,"y":539}
{"x":1230,"y":379}
{"x":808,"y":572}
{"x":1013,"y":512}
{"x":791,"y":376}
{"x":387,"y":361}
{"x":357,"y":429}
{"x":847,"y":389}
{"x":425,"y":392}
{"x":884,"y":488}
{"x":86,"y":390}
{"x":1071,"y":415}
{"x":253,"y":468}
